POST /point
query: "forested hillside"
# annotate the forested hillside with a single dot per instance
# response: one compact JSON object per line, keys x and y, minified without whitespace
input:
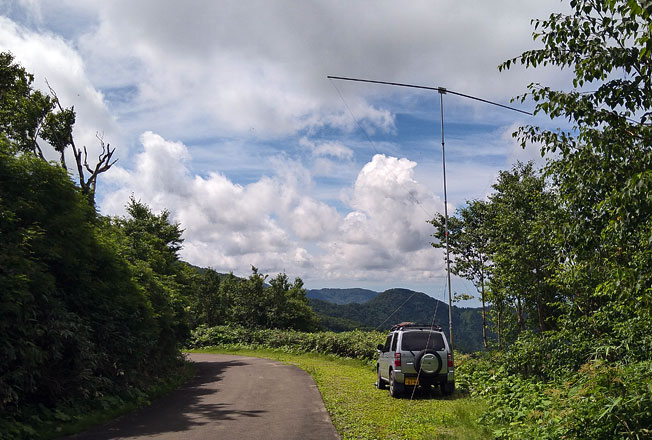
{"x":398,"y":305}
{"x":342,"y":296}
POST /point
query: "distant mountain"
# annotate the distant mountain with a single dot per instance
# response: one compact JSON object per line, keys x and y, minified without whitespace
{"x":342,"y":296}
{"x":398,"y":305}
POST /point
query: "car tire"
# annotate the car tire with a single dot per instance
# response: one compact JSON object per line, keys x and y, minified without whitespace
{"x":419,"y":357}
{"x":395,"y":388}
{"x":447,"y":388}
{"x":381,"y":385}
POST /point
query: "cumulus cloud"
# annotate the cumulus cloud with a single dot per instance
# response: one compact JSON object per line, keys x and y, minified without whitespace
{"x":388,"y":228}
{"x":234,"y":221}
{"x":276,"y":224}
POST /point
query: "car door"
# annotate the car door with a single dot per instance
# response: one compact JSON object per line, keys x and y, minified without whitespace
{"x":384,"y":358}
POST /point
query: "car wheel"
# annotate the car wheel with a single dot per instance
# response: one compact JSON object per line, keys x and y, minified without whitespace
{"x":395,"y":389}
{"x":381,"y":385}
{"x":447,"y":388}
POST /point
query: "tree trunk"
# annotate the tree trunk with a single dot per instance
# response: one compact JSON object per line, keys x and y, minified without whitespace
{"x":484,"y":314}
{"x":542,"y":323}
{"x":519,"y":314}
{"x":540,"y":314}
{"x":500,"y":327}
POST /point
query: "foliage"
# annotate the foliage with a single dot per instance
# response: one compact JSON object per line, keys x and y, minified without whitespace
{"x":602,"y":168}
{"x":90,"y":308}
{"x":280,"y":305}
{"x":467,"y":237}
{"x":503,"y":246}
{"x":206,"y":304}
{"x":150,"y":243}
{"x":355,"y":344}
{"x":602,"y":401}
{"x":27,"y":114}
{"x":29,"y":117}
{"x":71,"y":417}
{"x":253,"y":303}
{"x":73,"y":323}
{"x":591,"y":376}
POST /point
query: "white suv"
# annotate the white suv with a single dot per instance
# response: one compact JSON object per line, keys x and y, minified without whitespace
{"x":415,"y":355}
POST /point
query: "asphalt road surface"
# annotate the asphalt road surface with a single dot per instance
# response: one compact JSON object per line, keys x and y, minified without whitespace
{"x":232,"y":397}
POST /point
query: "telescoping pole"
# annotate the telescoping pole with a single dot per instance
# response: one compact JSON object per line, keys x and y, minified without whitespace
{"x":442,"y":92}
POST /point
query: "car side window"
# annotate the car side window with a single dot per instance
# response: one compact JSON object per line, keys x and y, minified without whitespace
{"x":395,"y":342}
{"x":387,"y":342}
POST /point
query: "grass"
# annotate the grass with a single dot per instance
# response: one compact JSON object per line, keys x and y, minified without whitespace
{"x":360,"y":411}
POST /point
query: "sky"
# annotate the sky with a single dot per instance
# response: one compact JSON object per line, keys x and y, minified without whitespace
{"x":221,"y":112}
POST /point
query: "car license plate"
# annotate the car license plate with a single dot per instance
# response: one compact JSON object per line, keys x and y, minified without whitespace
{"x":410,"y":381}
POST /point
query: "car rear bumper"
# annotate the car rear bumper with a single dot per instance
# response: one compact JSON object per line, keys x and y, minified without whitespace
{"x":426,"y":380}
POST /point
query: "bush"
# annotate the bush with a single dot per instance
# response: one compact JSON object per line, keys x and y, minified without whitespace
{"x":601,"y":401}
{"x":74,"y":324}
{"x":354,"y":344}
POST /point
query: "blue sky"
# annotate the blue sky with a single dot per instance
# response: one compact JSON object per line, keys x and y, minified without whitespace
{"x":221,"y":113}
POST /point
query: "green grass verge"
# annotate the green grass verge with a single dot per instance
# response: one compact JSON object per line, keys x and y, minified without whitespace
{"x":360,"y":411}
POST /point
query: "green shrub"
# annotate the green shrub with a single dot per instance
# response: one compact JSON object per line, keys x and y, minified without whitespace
{"x":354,"y":344}
{"x":600,"y":401}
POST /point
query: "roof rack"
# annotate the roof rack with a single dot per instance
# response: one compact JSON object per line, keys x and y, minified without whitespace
{"x":414,"y":325}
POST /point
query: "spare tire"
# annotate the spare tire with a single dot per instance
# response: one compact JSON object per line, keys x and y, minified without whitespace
{"x":428,"y":362}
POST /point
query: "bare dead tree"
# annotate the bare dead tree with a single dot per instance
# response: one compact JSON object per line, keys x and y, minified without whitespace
{"x":103,"y":164}
{"x":65,"y":138}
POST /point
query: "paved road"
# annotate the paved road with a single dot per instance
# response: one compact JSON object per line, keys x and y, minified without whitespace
{"x":232,"y":397}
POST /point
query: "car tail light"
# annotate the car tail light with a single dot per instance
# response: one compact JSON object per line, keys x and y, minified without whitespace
{"x":450,"y":360}
{"x":397,"y":359}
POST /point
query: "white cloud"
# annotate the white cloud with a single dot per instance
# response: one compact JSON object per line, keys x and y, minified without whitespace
{"x":275,"y":224}
{"x":52,"y":59}
{"x":226,"y":225}
{"x":332,"y":149}
{"x":387,"y":229}
{"x":240,"y":65}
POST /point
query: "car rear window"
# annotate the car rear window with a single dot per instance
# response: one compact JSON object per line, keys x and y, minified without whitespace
{"x":417,"y":341}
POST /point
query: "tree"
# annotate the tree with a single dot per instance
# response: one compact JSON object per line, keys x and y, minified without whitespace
{"x":150,"y":244}
{"x":29,"y":118}
{"x":252,"y":303}
{"x":207,"y":302}
{"x":521,"y":251}
{"x":73,"y":324}
{"x":288,"y":306}
{"x":468,"y":241}
{"x":603,"y":165}
{"x":503,"y":246}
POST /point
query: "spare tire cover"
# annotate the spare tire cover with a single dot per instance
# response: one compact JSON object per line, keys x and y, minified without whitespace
{"x":429,"y":362}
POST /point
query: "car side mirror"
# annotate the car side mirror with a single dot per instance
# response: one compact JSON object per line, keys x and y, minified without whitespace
{"x":380,"y":347}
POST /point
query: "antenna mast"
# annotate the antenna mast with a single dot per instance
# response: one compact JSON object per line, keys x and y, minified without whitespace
{"x":442,"y":91}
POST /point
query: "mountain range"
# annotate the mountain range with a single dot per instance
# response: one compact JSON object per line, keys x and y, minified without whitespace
{"x":348,"y":309}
